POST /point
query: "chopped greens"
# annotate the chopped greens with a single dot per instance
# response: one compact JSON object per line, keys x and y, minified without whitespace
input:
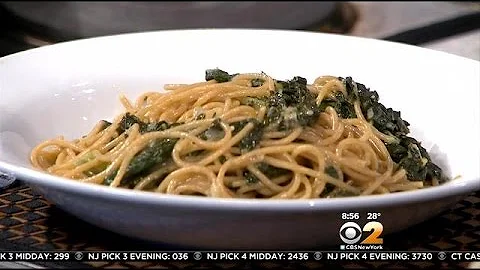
{"x":214,"y":132}
{"x":250,"y":178}
{"x":156,"y":152}
{"x":253,"y":138}
{"x":218,"y":75}
{"x":129,"y":120}
{"x":330,"y":170}
{"x":386,"y":120}
{"x":412,"y":157}
{"x":290,"y":105}
{"x":405,"y":151}
{"x":341,"y":105}
{"x":268,"y":170}
{"x":97,"y":169}
{"x":328,"y":188}
{"x":338,"y":193}
{"x":94,"y":170}
{"x":86,"y":158}
{"x":255,"y":102}
{"x":108,"y":181}
{"x":257,"y":82}
{"x":105,"y":124}
{"x":238,"y":126}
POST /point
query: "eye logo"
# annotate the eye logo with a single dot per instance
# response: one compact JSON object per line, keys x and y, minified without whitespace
{"x":351,"y":233}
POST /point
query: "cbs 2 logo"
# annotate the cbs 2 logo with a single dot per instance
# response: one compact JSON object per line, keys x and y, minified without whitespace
{"x":351,"y":233}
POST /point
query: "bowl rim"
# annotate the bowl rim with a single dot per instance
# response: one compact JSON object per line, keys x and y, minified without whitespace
{"x":459,"y":187}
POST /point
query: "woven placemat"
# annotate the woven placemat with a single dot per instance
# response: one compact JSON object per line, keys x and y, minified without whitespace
{"x":29,"y":222}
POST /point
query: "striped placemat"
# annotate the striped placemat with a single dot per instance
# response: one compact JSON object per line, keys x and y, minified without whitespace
{"x":29,"y":222}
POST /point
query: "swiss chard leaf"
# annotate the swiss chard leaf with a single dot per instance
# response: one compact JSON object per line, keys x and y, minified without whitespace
{"x":156,"y":152}
{"x":214,"y":132}
{"x":405,"y":151}
{"x":341,"y":105}
{"x":255,"y":102}
{"x":257,"y":82}
{"x":384,"y":119}
{"x":250,"y":178}
{"x":238,"y":126}
{"x":412,"y":157}
{"x":128,"y":120}
{"x":253,"y":138}
{"x":218,"y":75}
{"x":105,"y":124}
{"x":330,"y":170}
{"x":328,"y":188}
{"x":267,"y":169}
{"x":292,"y":105}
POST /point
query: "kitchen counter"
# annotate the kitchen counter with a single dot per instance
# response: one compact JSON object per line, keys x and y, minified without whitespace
{"x":381,"y":19}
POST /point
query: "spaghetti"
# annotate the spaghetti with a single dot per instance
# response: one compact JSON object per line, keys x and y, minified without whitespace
{"x":249,"y":136}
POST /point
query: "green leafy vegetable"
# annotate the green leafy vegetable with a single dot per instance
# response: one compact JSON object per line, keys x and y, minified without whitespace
{"x":330,"y":170}
{"x":97,"y":169}
{"x":339,"y":193}
{"x":128,"y":120}
{"x":273,"y":116}
{"x":253,"y":138}
{"x":342,"y":106}
{"x":94,"y":170}
{"x":218,"y":75}
{"x":255,"y":102}
{"x":257,"y":82}
{"x":267,"y":169}
{"x":214,"y":132}
{"x":407,"y":152}
{"x":108,"y":181}
{"x":157,"y":151}
{"x":292,"y":105}
{"x":105,"y":124}
{"x":328,"y":188}
{"x":250,"y":177}
{"x":238,"y":126}
{"x":412,"y":157}
{"x":384,"y":119}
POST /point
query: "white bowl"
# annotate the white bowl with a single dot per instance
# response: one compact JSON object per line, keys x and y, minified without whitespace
{"x":66,"y":88}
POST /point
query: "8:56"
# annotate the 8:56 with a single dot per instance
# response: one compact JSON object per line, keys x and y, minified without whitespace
{"x":346,"y":216}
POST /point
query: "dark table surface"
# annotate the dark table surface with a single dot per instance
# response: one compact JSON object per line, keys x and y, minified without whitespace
{"x":29,"y":222}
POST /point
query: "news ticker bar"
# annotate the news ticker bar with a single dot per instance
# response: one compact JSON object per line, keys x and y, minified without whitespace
{"x":205,"y":256}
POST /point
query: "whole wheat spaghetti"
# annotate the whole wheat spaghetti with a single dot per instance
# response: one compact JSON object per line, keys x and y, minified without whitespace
{"x":249,"y":136}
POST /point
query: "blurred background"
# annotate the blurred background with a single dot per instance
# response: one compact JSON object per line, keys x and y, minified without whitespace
{"x":452,"y":27}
